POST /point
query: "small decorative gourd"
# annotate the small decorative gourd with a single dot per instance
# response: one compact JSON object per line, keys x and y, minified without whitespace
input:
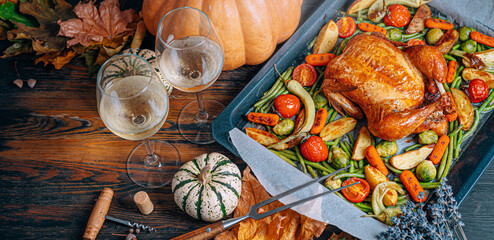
{"x":208,"y":187}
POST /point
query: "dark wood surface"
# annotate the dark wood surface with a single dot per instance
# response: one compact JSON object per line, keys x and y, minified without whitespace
{"x":56,"y":156}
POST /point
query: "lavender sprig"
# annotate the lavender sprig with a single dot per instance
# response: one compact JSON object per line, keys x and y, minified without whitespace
{"x":445,"y":220}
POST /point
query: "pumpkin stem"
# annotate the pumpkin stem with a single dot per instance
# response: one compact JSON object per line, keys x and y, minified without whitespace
{"x":205,"y":176}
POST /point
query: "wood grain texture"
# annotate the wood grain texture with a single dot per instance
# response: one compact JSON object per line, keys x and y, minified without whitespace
{"x":56,"y":156}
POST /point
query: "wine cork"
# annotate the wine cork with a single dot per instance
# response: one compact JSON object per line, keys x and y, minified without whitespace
{"x":143,"y":202}
{"x":98,"y":214}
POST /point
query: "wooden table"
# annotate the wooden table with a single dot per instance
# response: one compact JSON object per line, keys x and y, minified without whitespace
{"x":56,"y":156}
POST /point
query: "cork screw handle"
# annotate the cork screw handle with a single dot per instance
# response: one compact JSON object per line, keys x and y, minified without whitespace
{"x":98,"y":214}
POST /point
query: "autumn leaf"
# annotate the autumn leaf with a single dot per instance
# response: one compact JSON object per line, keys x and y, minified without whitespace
{"x":97,"y":25}
{"x":58,"y":59}
{"x":47,"y":13}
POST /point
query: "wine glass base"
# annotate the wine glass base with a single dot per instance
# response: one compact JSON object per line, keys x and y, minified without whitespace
{"x":153,"y":174}
{"x":196,"y":131}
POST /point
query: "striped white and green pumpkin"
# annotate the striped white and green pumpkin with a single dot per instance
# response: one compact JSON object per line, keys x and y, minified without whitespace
{"x":208,"y":187}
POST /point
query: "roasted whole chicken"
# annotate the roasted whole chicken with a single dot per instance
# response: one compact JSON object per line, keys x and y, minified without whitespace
{"x":388,"y":85}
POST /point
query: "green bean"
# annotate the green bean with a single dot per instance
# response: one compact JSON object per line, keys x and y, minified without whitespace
{"x":373,"y":140}
{"x":458,"y":144}
{"x":479,"y":48}
{"x":442,"y":165}
{"x":352,"y":166}
{"x":289,"y":152}
{"x":393,"y":169}
{"x":386,"y":159}
{"x":474,"y":125}
{"x":361,"y":164}
{"x":300,"y":159}
{"x":401,"y":197}
{"x":406,"y":37}
{"x":311,"y":44}
{"x":291,"y":157}
{"x":330,"y":112}
{"x":459,"y":70}
{"x":364,"y":207}
{"x":326,"y":165}
{"x":345,"y":148}
{"x":316,"y":165}
{"x":360,"y":170}
{"x":446,"y":87}
{"x":312,"y":172}
{"x":350,"y":138}
{"x":448,"y":57}
{"x":454,"y":132}
{"x":487,"y":101}
{"x":321,"y":76}
{"x":449,"y":162}
{"x":456,"y":46}
{"x":397,"y":179}
{"x":413,"y":147}
{"x":456,"y":82}
{"x":283,"y":157}
{"x":489,"y":108}
{"x":348,"y":175}
{"x":429,"y":185}
{"x":333,"y":116}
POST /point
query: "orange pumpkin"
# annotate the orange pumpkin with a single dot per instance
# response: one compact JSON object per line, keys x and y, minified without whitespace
{"x":248,"y":30}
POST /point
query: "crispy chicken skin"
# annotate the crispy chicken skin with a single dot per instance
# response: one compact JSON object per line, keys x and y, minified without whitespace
{"x":387,"y":84}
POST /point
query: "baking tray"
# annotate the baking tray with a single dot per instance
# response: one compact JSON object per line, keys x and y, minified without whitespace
{"x":472,"y":163}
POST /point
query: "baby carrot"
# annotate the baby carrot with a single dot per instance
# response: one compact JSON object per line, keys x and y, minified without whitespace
{"x":482,"y":38}
{"x":367,"y":27}
{"x":319,"y":59}
{"x":439,"y":149}
{"x":451,"y":71}
{"x":412,"y":185}
{"x":320,"y":121}
{"x":375,"y":159}
{"x":269,"y":119}
{"x":438,"y":23}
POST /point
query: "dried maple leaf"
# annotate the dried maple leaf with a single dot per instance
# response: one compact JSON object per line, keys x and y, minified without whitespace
{"x":96,"y":25}
{"x":47,"y":13}
{"x":341,"y":236}
{"x":58,"y":59}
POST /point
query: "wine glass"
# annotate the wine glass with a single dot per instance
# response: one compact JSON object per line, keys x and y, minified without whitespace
{"x":133,"y":103}
{"x":191,"y":58}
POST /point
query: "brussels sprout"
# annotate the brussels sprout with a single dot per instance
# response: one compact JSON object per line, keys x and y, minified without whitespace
{"x":394,"y":34}
{"x":340,"y":159}
{"x":428,"y":137}
{"x":470,"y":46}
{"x":426,"y":171}
{"x":434,"y":35}
{"x":320,"y":100}
{"x":285,"y":127}
{"x":332,"y":184}
{"x":465,"y":33}
{"x":386,"y":149}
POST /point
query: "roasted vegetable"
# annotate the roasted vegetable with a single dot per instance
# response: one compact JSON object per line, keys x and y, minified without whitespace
{"x":379,"y":192}
{"x":260,"y":136}
{"x":411,"y":159}
{"x":358,"y":192}
{"x":339,"y":158}
{"x":387,"y":215}
{"x":482,"y":38}
{"x":287,"y":105}
{"x":434,"y":35}
{"x":478,"y":90}
{"x":269,"y":119}
{"x":285,"y":127}
{"x":439,"y":149}
{"x":418,"y":21}
{"x":426,"y":171}
{"x":465,"y":108}
{"x":412,"y":185}
{"x":319,"y":121}
{"x":320,"y":100}
{"x":364,"y":140}
{"x":428,"y":137}
{"x":447,"y":41}
{"x":483,"y":60}
{"x":332,"y":184}
{"x":338,"y":128}
{"x":398,"y":16}
{"x":465,"y":33}
{"x":469,"y":74}
{"x":386,"y":148}
{"x":438,"y":23}
{"x":469,"y":46}
{"x":375,"y":160}
{"x":326,"y":39}
{"x":314,"y":149}
{"x":358,"y":5}
{"x":394,"y":34}
{"x":374,"y":177}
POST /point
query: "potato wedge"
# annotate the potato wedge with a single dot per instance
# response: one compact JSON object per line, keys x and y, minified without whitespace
{"x":363,"y":141}
{"x":447,"y":41}
{"x":358,"y":5}
{"x":418,"y":21}
{"x":262,"y":137}
{"x":374,"y":177}
{"x":411,"y":159}
{"x":465,"y":109}
{"x":326,"y":40}
{"x":338,"y":128}
{"x":471,"y":73}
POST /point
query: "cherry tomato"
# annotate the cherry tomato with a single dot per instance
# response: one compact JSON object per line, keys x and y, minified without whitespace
{"x":287,"y":105}
{"x":398,"y":16}
{"x":305,"y":74}
{"x":358,"y":192}
{"x":478,"y":90}
{"x":346,"y":27}
{"x":412,"y":42}
{"x":314,"y":149}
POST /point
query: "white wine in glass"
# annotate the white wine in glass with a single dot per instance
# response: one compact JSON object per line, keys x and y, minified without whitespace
{"x":191,"y":58}
{"x":133,"y":103}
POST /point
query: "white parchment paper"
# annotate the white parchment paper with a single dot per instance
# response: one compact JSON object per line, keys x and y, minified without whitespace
{"x":278,"y":176}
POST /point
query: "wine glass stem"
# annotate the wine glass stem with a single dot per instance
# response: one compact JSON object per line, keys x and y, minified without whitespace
{"x":151,"y":159}
{"x":202,"y":116}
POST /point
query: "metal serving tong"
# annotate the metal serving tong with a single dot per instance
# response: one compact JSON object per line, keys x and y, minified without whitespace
{"x":212,"y":230}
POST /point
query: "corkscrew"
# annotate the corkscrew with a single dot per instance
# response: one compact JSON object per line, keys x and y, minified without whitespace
{"x":132,"y":225}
